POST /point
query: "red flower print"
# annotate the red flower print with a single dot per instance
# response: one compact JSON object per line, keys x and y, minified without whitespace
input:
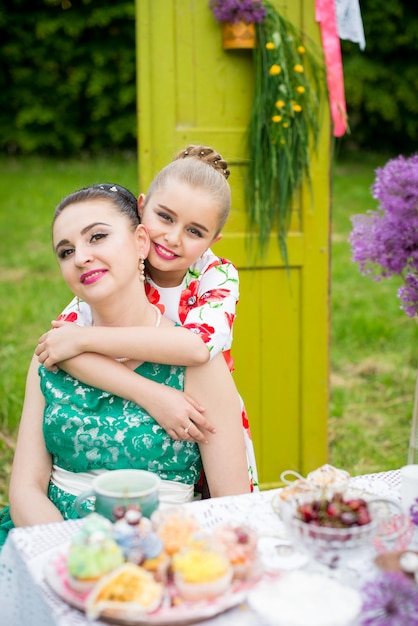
{"x":68,"y":317}
{"x":230,"y":317}
{"x":229,"y":360}
{"x":154,"y":297}
{"x":204,"y":330}
{"x":219,"y":261}
{"x":188,"y":300}
{"x":245,"y":422}
{"x":215,"y":264}
{"x":214,"y":294}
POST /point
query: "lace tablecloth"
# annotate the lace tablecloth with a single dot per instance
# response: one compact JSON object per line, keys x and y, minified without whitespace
{"x":26,"y":598}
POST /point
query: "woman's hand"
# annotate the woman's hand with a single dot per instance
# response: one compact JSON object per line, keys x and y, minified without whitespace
{"x":181,"y":417}
{"x":61,"y":343}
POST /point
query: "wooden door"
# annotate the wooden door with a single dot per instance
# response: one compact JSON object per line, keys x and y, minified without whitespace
{"x":192,"y":91}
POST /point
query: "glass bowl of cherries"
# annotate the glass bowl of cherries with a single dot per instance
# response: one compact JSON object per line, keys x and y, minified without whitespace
{"x":333,"y":528}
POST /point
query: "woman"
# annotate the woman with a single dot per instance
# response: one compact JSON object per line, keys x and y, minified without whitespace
{"x":185,"y":209}
{"x":70,"y":430}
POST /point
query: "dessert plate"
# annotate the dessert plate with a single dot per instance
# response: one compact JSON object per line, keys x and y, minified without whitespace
{"x":184,"y":613}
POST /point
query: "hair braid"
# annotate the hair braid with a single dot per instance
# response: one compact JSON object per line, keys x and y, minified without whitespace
{"x":206,"y":154}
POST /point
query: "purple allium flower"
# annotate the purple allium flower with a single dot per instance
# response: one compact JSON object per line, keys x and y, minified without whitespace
{"x":238,"y":10}
{"x":385,"y":242}
{"x":409,"y":295}
{"x":413,"y":512}
{"x":390,"y":600}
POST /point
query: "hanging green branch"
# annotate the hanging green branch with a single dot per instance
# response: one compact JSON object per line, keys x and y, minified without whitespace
{"x":284,"y":125}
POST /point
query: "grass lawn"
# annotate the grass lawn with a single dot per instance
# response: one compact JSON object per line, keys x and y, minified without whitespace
{"x":373,"y":343}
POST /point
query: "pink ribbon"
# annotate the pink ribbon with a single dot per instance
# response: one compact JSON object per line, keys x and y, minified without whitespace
{"x":326,"y":15}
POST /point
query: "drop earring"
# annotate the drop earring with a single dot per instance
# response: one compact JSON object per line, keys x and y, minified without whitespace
{"x":78,"y":304}
{"x":141,"y":267}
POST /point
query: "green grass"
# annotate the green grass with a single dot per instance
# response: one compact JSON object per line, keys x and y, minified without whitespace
{"x":373,"y":343}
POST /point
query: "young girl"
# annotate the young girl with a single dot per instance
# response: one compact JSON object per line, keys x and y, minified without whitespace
{"x":184,"y":212}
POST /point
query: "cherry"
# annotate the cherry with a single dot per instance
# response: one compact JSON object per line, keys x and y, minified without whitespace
{"x":118,"y":511}
{"x":335,"y":512}
{"x":242,"y":536}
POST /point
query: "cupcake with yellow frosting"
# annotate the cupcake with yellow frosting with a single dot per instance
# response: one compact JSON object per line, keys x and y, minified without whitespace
{"x":201,"y":573}
{"x":93,"y":552}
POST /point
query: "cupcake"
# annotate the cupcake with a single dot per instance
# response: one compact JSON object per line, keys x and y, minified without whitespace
{"x":140,"y":543}
{"x":329,"y":479}
{"x":201,"y":573}
{"x":287,"y":499}
{"x":299,"y":489}
{"x":175,"y":527}
{"x":93,"y":552}
{"x":129,"y":589}
{"x":240,"y":546}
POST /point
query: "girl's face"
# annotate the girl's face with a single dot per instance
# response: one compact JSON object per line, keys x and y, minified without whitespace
{"x":97,"y":250}
{"x":182,"y":224}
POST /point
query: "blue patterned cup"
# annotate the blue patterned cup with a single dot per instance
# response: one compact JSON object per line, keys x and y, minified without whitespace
{"x":123,"y":488}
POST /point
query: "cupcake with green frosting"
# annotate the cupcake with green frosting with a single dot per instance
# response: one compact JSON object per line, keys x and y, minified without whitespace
{"x":93,"y":552}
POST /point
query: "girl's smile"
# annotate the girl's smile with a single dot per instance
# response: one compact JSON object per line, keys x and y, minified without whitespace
{"x":164,"y":253}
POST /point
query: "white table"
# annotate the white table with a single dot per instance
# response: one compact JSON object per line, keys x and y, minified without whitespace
{"x":26,"y":598}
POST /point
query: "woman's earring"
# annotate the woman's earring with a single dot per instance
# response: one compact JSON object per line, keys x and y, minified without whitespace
{"x":141,"y":267}
{"x":78,"y":304}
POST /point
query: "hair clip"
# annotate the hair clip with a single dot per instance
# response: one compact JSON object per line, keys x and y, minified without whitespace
{"x":113,"y":188}
{"x":202,"y":153}
{"x":186,"y":152}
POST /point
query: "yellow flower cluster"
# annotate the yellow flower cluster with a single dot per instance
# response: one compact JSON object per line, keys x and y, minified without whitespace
{"x":284,"y":124}
{"x":293,"y":91}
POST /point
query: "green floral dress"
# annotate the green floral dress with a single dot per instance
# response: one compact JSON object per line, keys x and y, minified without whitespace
{"x":88,"y":429}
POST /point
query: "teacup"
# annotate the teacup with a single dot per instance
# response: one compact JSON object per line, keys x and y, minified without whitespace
{"x":124,"y":487}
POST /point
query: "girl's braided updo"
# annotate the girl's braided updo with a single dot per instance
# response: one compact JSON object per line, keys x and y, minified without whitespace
{"x":208,"y":155}
{"x":200,"y":167}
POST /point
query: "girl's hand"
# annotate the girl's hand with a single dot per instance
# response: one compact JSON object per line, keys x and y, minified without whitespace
{"x":181,"y":417}
{"x":59,"y":344}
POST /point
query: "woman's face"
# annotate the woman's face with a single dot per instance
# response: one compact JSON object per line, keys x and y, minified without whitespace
{"x":182,"y":224}
{"x":96,"y":249}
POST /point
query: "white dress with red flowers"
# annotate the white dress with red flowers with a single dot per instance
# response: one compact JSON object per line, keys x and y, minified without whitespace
{"x":205,"y":303}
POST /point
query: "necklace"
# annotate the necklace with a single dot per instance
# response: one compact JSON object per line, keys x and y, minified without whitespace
{"x":123,"y":359}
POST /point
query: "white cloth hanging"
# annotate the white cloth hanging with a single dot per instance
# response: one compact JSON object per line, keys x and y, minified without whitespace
{"x":349,"y":21}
